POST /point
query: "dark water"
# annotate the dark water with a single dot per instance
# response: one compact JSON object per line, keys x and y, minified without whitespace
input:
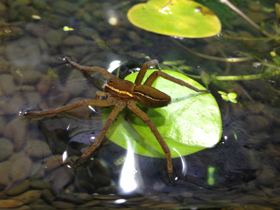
{"x":35,"y":170}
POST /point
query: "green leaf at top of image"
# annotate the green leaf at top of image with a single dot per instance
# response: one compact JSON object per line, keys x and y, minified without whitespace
{"x":191,"y":122}
{"x":182,"y":18}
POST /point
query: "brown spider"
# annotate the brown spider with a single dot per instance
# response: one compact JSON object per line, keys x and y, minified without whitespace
{"x":121,"y":93}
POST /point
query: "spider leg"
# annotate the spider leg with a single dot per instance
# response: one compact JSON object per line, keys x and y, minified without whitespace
{"x":101,"y":94}
{"x":115,"y":112}
{"x":90,"y":102}
{"x":92,"y":81}
{"x":143,"y":70}
{"x":139,"y":113}
{"x":82,"y":69}
{"x":157,"y":74}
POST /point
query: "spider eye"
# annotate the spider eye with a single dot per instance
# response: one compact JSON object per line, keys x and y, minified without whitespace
{"x":110,"y":80}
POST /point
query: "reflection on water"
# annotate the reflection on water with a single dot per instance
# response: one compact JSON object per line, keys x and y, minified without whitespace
{"x":127,"y":177}
{"x":36,"y":155}
{"x":184,"y":163}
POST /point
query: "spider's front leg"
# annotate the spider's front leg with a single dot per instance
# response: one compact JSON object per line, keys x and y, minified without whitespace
{"x":83,"y":69}
{"x":139,"y":113}
{"x":157,"y":74}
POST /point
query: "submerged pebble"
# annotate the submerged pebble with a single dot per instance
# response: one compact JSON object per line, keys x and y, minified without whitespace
{"x":28,"y":196}
{"x":63,"y":205}
{"x":5,"y":170}
{"x":7,"y":84}
{"x":32,"y":97}
{"x":15,"y":102}
{"x":16,"y":131}
{"x":6,"y":149}
{"x":29,"y":77}
{"x":54,"y":162}
{"x":41,"y":207}
{"x":48,"y":195}
{"x":72,"y":84}
{"x":54,"y":38}
{"x":2,"y":124}
{"x":10,"y":33}
{"x":59,"y":95}
{"x":37,"y":170}
{"x":38,"y":149}
{"x":74,"y":40}
{"x":40,"y":184}
{"x":37,"y":30}
{"x":90,"y":203}
{"x":19,"y":188}
{"x":84,"y":196}
{"x":60,"y":178}
{"x":10,"y":203}
{"x":4,"y":65}
{"x":40,"y":4}
{"x":44,"y":85}
{"x":21,"y":169}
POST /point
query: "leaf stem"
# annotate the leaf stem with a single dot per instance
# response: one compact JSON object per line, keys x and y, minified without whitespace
{"x":231,"y":60}
{"x":230,"y":5}
{"x":241,"y":77}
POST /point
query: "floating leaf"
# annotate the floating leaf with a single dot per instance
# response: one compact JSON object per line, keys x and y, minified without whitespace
{"x":191,"y":122}
{"x":222,"y":93}
{"x":228,"y":96}
{"x":66,"y":28}
{"x":232,"y":95}
{"x":211,"y":179}
{"x":225,"y":97}
{"x":182,"y":18}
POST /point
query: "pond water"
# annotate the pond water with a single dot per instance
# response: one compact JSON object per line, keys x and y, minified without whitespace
{"x":36,"y":155}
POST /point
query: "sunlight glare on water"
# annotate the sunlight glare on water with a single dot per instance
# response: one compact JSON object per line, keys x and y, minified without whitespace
{"x":165,"y":10}
{"x":113,"y":65}
{"x":127,"y":178}
{"x":184,"y":163}
{"x":64,"y":156}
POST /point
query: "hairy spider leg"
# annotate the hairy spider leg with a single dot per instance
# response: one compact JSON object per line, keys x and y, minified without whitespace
{"x":144,"y":69}
{"x":80,"y":68}
{"x":143,"y":116}
{"x":90,"y":102}
{"x":115,"y":112}
{"x":157,"y":74}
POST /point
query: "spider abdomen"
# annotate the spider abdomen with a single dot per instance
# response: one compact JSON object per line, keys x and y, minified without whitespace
{"x":150,"y":97}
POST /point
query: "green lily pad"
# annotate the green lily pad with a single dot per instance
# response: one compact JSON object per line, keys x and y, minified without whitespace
{"x":191,"y":122}
{"x":182,"y":18}
{"x":228,"y":96}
